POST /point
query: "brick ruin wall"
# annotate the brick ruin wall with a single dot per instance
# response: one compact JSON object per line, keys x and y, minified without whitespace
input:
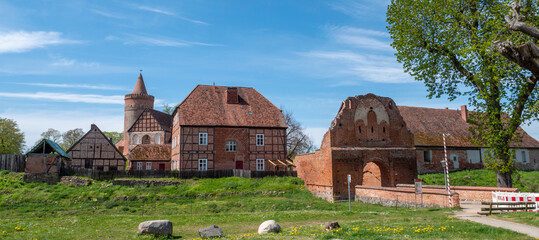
{"x":404,"y":197}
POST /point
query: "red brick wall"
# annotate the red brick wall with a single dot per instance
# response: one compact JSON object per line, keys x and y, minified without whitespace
{"x":467,"y":193}
{"x":155,"y":165}
{"x":367,"y":129}
{"x":227,"y":160}
{"x":405,"y":197}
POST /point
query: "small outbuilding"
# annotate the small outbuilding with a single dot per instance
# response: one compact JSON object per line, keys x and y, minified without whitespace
{"x":46,"y":157}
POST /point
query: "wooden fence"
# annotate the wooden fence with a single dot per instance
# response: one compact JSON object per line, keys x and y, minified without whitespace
{"x":102,"y":175}
{"x":500,"y":207}
{"x":12,"y":162}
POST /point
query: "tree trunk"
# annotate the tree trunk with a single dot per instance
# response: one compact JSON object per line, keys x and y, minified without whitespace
{"x":504,"y":179}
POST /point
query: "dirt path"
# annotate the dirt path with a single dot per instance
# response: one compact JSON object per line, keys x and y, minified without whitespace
{"x":469,"y":212}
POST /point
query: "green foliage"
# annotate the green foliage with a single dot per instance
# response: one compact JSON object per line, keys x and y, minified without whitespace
{"x":115,"y":136}
{"x":447,"y":45}
{"x":168,"y":109}
{"x":11,"y":137}
{"x":70,"y":137}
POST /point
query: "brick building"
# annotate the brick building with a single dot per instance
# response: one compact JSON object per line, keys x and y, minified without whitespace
{"x":369,"y":140}
{"x":95,"y":151}
{"x":428,"y":124}
{"x":147,"y":132}
{"x":149,"y":145}
{"x":217,"y":127}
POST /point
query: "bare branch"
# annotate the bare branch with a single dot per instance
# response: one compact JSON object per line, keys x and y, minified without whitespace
{"x":516,"y":22}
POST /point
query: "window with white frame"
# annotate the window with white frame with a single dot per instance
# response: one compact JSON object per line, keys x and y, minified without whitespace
{"x":202,"y":164}
{"x":148,"y":166}
{"x":230,"y":146}
{"x":139,"y":165}
{"x":135,"y":139}
{"x":523,"y":154}
{"x":157,"y":139}
{"x":173,"y":142}
{"x":260,"y":165}
{"x":203,"y":139}
{"x":260,"y":140}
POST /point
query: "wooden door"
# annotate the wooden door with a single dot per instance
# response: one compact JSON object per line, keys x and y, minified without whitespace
{"x":239,"y":164}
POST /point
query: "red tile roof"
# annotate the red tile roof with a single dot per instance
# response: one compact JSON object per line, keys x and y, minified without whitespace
{"x":428,"y":124}
{"x":140,"y":88}
{"x":151,"y":152}
{"x":207,"y":105}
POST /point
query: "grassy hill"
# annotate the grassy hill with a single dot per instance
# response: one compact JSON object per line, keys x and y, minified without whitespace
{"x":525,"y":181}
{"x":105,"y":211}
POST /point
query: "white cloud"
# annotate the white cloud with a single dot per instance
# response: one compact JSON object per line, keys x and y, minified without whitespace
{"x":157,"y":41}
{"x":67,"y":97}
{"x":156,"y":10}
{"x":357,"y":8}
{"x":81,"y":86}
{"x":360,"y":38}
{"x":106,"y":14}
{"x":169,"y":13}
{"x":64,"y":62}
{"x":23,"y":41}
{"x":372,"y":68}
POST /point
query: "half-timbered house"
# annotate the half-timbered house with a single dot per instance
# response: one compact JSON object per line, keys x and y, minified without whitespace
{"x":149,"y":145}
{"x":95,"y":151}
{"x":218,"y":127}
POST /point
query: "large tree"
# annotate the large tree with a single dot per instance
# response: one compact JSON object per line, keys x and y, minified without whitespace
{"x":297,"y":141}
{"x":11,"y":137}
{"x":115,"y":137}
{"x":51,"y":134}
{"x":70,"y":137}
{"x":448,"y":45}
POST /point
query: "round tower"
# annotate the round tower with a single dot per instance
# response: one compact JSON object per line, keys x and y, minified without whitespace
{"x":135,"y":103}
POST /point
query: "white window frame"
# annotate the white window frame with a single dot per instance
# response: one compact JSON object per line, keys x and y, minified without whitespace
{"x":203,"y":164}
{"x":231,"y":146}
{"x":139,"y":165}
{"x":260,"y":164}
{"x":259,"y":140}
{"x":202,"y":138}
{"x":148,"y":166}
{"x":157,"y":139}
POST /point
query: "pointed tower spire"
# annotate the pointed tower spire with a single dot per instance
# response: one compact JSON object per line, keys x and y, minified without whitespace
{"x":140,"y":87}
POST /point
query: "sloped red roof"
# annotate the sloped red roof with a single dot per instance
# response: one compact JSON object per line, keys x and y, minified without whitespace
{"x":164,"y":119}
{"x":140,"y":88}
{"x":207,"y":105}
{"x":151,"y":152}
{"x":428,"y":124}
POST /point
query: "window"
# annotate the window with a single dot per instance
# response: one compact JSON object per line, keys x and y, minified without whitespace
{"x":203,"y":138}
{"x":135,"y":139}
{"x":157,"y":139}
{"x":148,"y":166}
{"x":230,"y":146}
{"x":146,"y":139}
{"x":427,"y":156}
{"x":139,"y":165}
{"x":523,"y":154}
{"x":260,"y":165}
{"x":260,"y":139}
{"x":202,"y":164}
{"x":173,"y":142}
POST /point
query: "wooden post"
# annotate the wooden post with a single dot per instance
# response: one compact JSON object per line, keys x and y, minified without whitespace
{"x":490,"y":209}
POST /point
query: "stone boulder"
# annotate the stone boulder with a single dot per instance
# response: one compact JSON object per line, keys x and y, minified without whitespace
{"x":211,"y":231}
{"x":155,"y":227}
{"x":331,"y":226}
{"x":269,"y":226}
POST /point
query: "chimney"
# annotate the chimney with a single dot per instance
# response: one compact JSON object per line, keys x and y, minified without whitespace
{"x":464,"y":113}
{"x":232,"y":96}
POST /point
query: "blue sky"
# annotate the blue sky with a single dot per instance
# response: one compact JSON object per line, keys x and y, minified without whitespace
{"x":67,"y":64}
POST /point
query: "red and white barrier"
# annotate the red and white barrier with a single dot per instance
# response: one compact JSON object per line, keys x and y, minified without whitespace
{"x":517,"y":197}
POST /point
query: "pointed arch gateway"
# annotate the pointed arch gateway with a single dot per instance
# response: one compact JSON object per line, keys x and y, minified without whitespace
{"x":375,"y":174}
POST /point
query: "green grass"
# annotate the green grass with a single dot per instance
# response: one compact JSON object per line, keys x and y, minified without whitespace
{"x":525,"y":181}
{"x":237,"y":205}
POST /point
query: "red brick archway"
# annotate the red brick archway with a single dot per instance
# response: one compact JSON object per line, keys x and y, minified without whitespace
{"x":375,"y":174}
